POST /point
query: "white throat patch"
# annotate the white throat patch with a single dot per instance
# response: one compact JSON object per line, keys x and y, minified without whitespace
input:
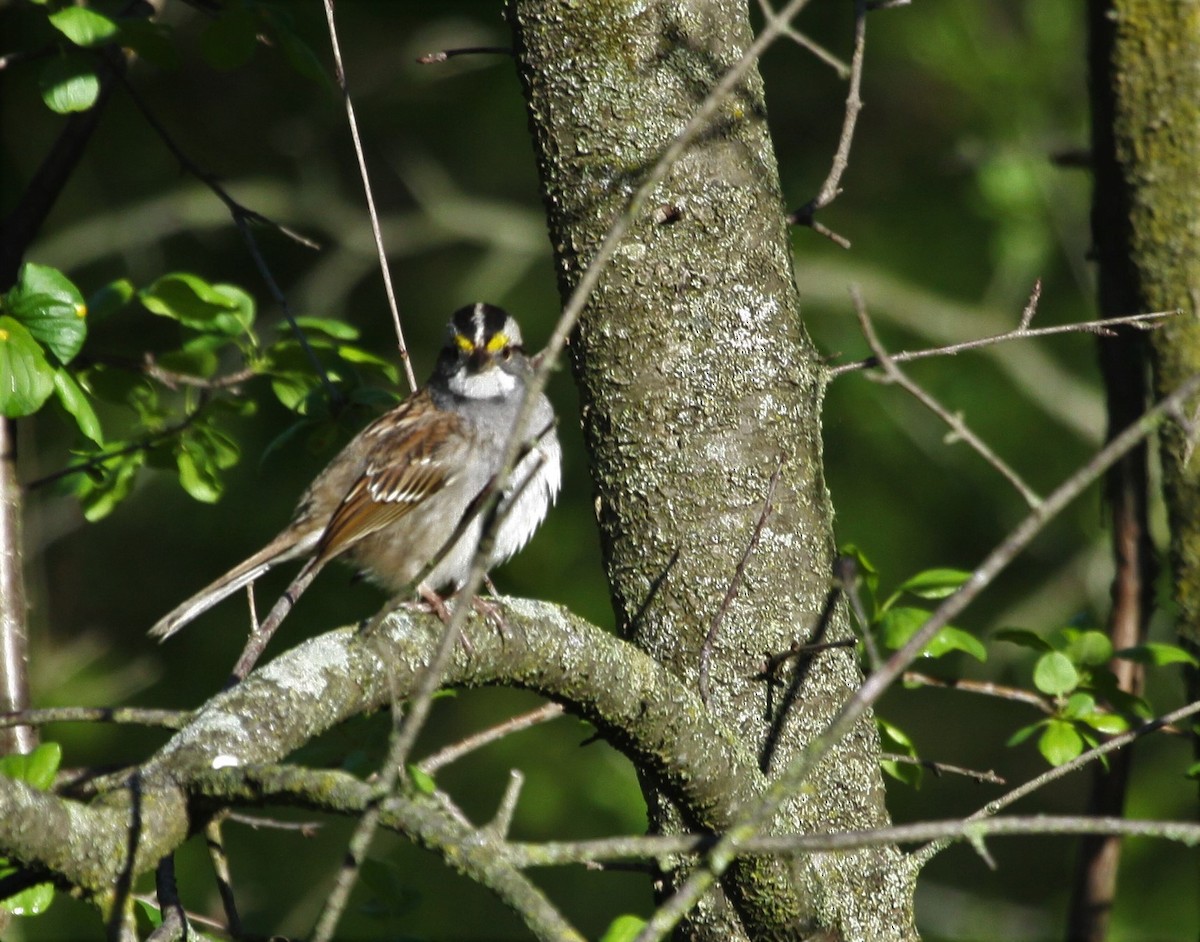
{"x":490,"y":384}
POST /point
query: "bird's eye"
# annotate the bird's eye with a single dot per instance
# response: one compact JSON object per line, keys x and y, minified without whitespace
{"x":506,"y":353}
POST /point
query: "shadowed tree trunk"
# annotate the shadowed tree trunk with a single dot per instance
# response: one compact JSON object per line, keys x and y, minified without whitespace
{"x":1145,"y":77}
{"x":698,"y":382}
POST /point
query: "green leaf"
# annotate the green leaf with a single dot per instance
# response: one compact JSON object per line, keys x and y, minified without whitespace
{"x":1026,"y":639}
{"x":197,"y":357}
{"x":26,"y":378}
{"x":75,"y":401}
{"x":1079,"y":704}
{"x":29,"y":902}
{"x":197,"y":472}
{"x":36,"y":768}
{"x":230,"y":39}
{"x":1025,"y":732}
{"x":69,"y":83}
{"x":84,"y":26}
{"x":1060,"y":742}
{"x":1088,"y":648}
{"x":365,"y":358}
{"x":100,"y":495}
{"x":1193,"y":771}
{"x":197,"y":304}
{"x":51,"y":307}
{"x":1158,"y":655}
{"x":955,"y":639}
{"x":109,"y":299}
{"x":895,"y":740}
{"x":152,"y":913}
{"x":624,"y":928}
{"x":935,"y":583}
{"x":1054,"y":674}
{"x":338,"y":330}
{"x":421,"y":779}
{"x":1109,"y":723}
{"x":897,"y":625}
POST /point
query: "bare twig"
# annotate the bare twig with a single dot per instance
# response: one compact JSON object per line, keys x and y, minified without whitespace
{"x":500,"y":825}
{"x":984,"y":687}
{"x":960,"y":428}
{"x":452,"y":753}
{"x":1139,"y":321}
{"x":134,"y":716}
{"x":98,"y":459}
{"x":14,"y":637}
{"x":845,"y":571}
{"x":442,"y":55}
{"x":174,"y":923}
{"x":735,"y":583}
{"x":941,"y":768}
{"x":258,"y":823}
{"x":770,"y":667}
{"x":804,"y":42}
{"x":806,"y":214}
{"x":215,"y":842}
{"x":384,"y":269}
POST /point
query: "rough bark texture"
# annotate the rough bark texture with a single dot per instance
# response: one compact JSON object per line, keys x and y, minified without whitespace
{"x":698,"y":381}
{"x":1145,"y":75}
{"x":1148,"y":67}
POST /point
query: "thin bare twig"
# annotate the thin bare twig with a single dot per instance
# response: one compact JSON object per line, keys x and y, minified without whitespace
{"x":1138,"y":321}
{"x":806,"y":214}
{"x":804,"y":42}
{"x":442,"y":55}
{"x":134,"y":716}
{"x":385,"y":270}
{"x":960,"y":428}
{"x":941,"y":768}
{"x":845,"y":571}
{"x":735,"y":583}
{"x":257,"y":823}
{"x":215,"y":842}
{"x":770,"y":667}
{"x":455,"y":751}
{"x":174,"y":923}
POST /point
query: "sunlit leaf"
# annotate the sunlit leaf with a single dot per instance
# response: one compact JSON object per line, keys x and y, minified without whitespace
{"x":76,"y":402}
{"x":935,"y":583}
{"x":51,"y":308}
{"x":84,"y":26}
{"x":1060,"y":742}
{"x":26,"y":378}
{"x":1054,"y":674}
{"x":624,"y":928}
{"x":1158,"y":655}
{"x":69,"y":83}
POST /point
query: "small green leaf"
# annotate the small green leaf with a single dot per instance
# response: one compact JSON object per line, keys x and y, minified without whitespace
{"x":152,"y":913}
{"x":895,"y":740}
{"x":42,"y":765}
{"x":51,"y":307}
{"x":1088,"y":648}
{"x":84,"y":26}
{"x":1025,"y":732}
{"x":30,"y":902}
{"x":935,"y":583}
{"x":100,"y":495}
{"x":1060,"y":742}
{"x":421,"y":779}
{"x":197,"y":472}
{"x":338,"y":330}
{"x":1158,"y":655}
{"x":955,"y":639}
{"x":197,"y":304}
{"x":109,"y":299}
{"x":1108,"y":723}
{"x":1193,"y":771}
{"x":75,"y":401}
{"x":1079,"y":704}
{"x":69,"y":83}
{"x":1023,"y":637}
{"x":1054,"y":674}
{"x":624,"y":928}
{"x":26,"y":378}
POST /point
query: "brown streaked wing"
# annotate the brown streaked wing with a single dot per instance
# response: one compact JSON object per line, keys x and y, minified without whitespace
{"x":396,"y":479}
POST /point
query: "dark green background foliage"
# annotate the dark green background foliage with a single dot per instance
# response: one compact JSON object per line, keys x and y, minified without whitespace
{"x":954,"y":208}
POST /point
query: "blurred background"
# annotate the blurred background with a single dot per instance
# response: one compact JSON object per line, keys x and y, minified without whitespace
{"x":954,"y":207}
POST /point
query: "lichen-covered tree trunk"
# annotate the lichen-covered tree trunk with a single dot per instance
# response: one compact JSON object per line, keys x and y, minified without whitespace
{"x":1149,"y":53}
{"x":1145,"y":74}
{"x":698,"y":382}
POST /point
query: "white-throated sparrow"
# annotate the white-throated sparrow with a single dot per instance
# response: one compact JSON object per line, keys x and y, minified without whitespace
{"x":394,"y":496}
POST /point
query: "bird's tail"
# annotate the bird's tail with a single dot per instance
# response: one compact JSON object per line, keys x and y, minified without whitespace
{"x":284,"y":547}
